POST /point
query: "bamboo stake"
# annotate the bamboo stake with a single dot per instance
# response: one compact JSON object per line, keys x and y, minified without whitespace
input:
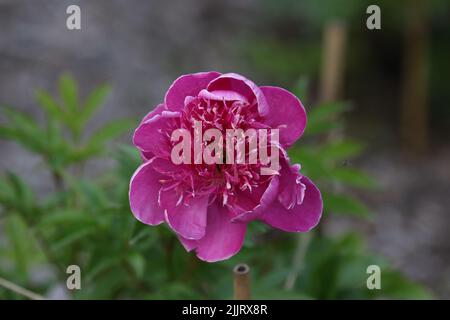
{"x":414,"y":107}
{"x":241,"y":282}
{"x":332,"y":75}
{"x":334,"y":42}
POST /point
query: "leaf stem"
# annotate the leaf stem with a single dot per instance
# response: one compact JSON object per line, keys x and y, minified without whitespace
{"x":20,"y":290}
{"x":303,"y":241}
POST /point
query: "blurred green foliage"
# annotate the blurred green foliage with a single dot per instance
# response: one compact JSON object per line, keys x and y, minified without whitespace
{"x":87,"y":221}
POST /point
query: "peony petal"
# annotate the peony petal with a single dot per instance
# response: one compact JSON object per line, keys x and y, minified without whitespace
{"x":147,"y":155}
{"x":224,"y":95}
{"x":302,"y":217}
{"x":223,"y":238}
{"x":232,"y":86}
{"x":157,"y":110}
{"x":152,"y":137}
{"x":292,"y":190}
{"x":188,"y":244}
{"x":188,"y":220}
{"x":143,"y":194}
{"x":286,"y":112}
{"x":187,"y":85}
{"x":256,"y":206}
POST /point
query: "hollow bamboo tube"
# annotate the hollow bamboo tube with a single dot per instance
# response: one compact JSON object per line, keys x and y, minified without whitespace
{"x":241,"y":282}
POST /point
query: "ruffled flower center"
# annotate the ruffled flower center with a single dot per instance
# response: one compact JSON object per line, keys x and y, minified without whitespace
{"x":220,"y":180}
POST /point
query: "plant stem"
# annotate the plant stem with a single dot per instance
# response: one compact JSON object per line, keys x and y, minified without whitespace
{"x":46,"y":250}
{"x":297,"y":261}
{"x":169,"y":257}
{"x":20,"y":290}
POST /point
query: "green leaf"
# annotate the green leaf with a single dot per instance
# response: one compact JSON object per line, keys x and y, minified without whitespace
{"x":69,"y":93}
{"x":110,"y":131}
{"x":21,"y":120}
{"x":24,"y":130}
{"x":84,"y":153}
{"x":18,"y":237}
{"x":343,"y":204}
{"x":137,"y":262}
{"x":128,"y":160}
{"x":51,"y":107}
{"x":324,"y":117}
{"x":340,"y":150}
{"x":22,"y":192}
{"x":313,"y":165}
{"x":66,"y":217}
{"x":327,"y":110}
{"x":57,"y":144}
{"x":91,"y":194}
{"x":301,"y":89}
{"x":173,"y":290}
{"x":97,"y":142}
{"x":316,"y":128}
{"x":397,"y":286}
{"x":7,"y":133}
{"x":93,"y":102}
{"x":353,"y":177}
{"x":281,"y":295}
{"x":103,"y":265}
{"x":73,"y":237}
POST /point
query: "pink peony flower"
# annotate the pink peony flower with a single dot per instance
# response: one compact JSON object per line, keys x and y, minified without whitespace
{"x":208,"y":206}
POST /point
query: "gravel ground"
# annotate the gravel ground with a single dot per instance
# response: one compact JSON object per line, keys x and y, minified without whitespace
{"x":412,"y":215}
